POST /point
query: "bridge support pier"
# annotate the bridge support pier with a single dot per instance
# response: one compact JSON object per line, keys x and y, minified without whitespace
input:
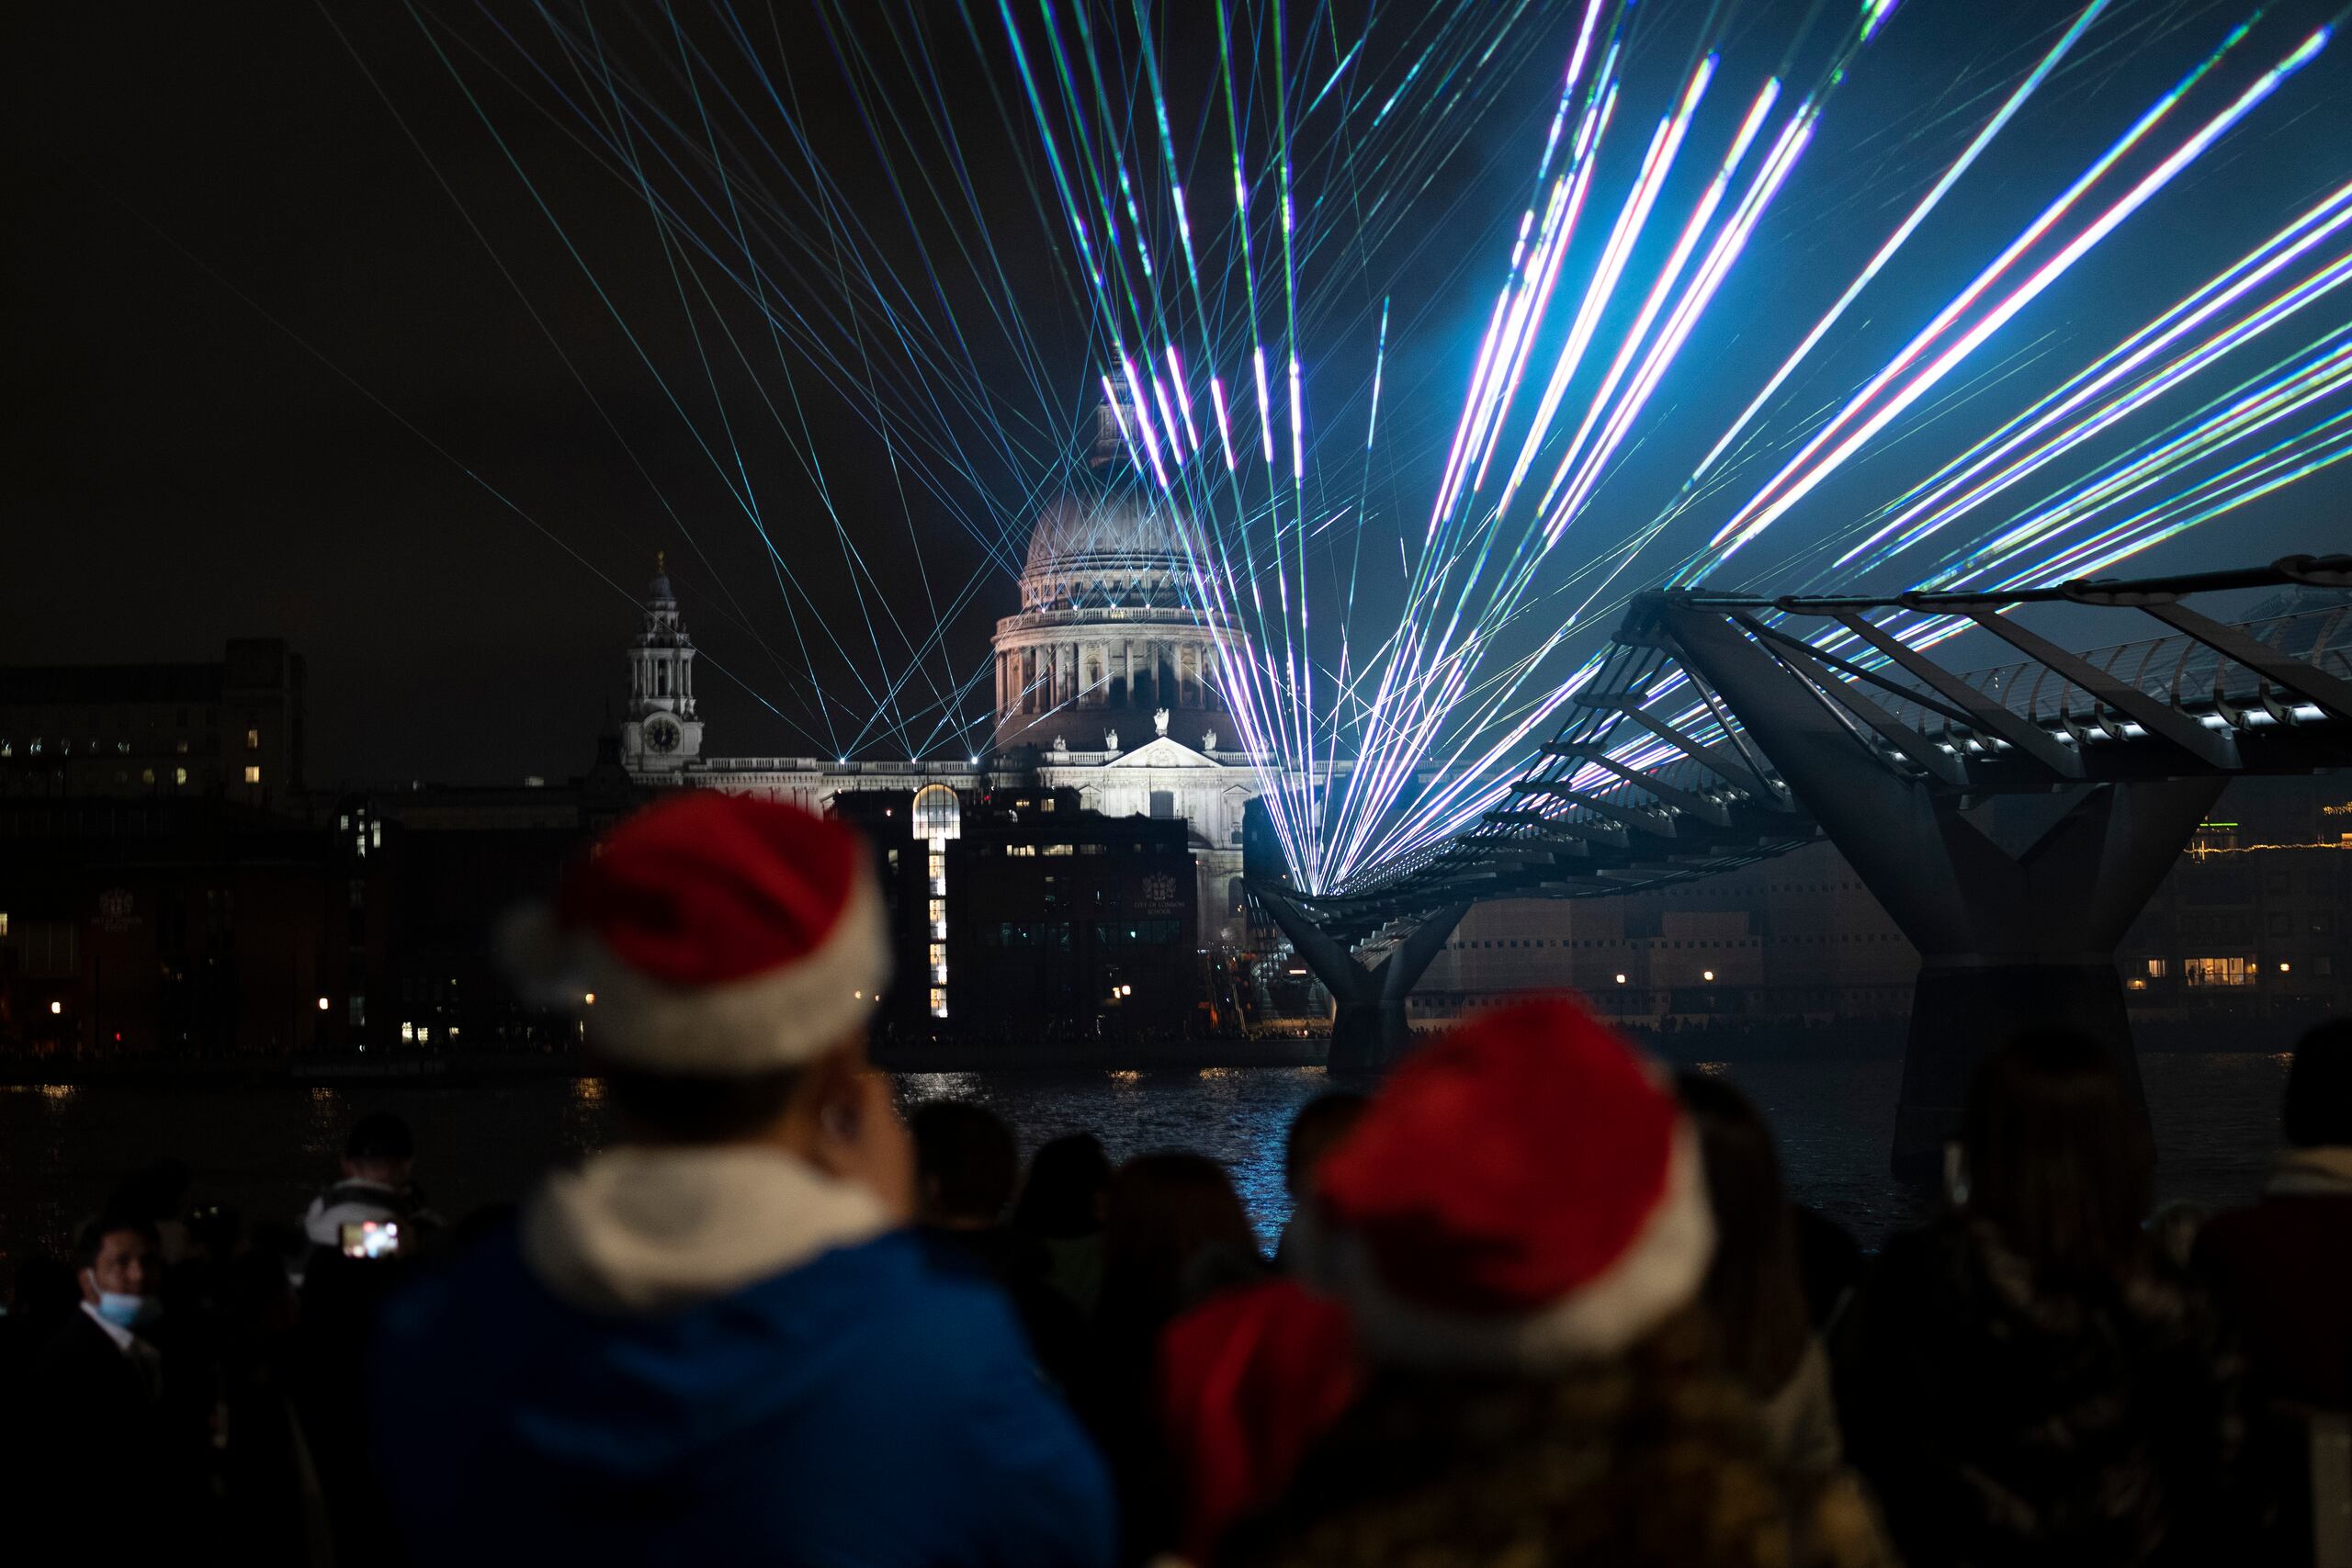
{"x":2015,"y":904}
{"x":1369,"y":1029}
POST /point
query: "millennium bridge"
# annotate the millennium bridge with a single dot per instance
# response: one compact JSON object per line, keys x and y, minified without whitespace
{"x":2012,"y":820}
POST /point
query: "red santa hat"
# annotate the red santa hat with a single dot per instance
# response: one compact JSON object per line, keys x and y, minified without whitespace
{"x":1526,"y":1192}
{"x":712,"y":935}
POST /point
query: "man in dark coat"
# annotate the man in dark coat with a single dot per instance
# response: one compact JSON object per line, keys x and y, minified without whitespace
{"x":717,"y":1341}
{"x":101,"y":1444}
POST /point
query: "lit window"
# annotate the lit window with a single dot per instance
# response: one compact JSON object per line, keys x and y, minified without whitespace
{"x":939,"y":1001}
{"x":937,"y":813}
{"x":252,"y":739}
{"x":407,"y":1032}
{"x":253,"y":773}
{"x":146,"y":775}
{"x":4,"y":922}
{"x":2155,"y":969}
{"x":375,"y":834}
{"x":181,"y":748}
{"x":179,"y":775}
{"x":2217,"y":971}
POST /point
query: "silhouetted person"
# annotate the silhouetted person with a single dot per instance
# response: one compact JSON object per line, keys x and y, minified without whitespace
{"x":1061,"y":1205}
{"x":1519,"y":1230}
{"x":2030,"y":1380}
{"x":1174,"y":1232}
{"x":368,"y":1234}
{"x":378,"y":1187}
{"x":716,"y":1341}
{"x":2282,"y":1270}
{"x":1315,"y":1132}
{"x":966,"y":1165}
{"x":1753,"y":1292}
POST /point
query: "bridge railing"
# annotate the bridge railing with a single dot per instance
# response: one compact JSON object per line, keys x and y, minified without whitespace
{"x":2174,"y":669}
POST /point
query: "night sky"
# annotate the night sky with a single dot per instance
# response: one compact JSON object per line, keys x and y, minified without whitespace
{"x":196,"y":192}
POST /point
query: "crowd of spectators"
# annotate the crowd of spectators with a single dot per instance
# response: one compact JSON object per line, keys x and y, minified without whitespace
{"x":1538,"y":1303}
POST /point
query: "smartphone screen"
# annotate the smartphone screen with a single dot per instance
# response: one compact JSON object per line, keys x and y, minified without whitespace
{"x":371,"y":1238}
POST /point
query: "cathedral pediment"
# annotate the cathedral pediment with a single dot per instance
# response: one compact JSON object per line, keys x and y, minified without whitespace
{"x":1162,"y":753}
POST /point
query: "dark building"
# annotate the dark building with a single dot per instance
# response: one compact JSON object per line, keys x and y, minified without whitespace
{"x":187,"y":927}
{"x":1018,"y":914}
{"x":228,"y":731}
{"x":205,"y":928}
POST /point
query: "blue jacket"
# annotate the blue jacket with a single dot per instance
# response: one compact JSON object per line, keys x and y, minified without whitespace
{"x":862,"y":1408}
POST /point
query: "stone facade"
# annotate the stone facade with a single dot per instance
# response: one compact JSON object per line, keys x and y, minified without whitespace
{"x":1105,"y":684}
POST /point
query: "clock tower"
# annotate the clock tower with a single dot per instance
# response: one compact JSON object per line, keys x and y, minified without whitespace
{"x":661,"y":730}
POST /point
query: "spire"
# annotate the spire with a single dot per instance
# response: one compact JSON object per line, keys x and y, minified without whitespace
{"x":659,"y":587}
{"x":1110,"y":446}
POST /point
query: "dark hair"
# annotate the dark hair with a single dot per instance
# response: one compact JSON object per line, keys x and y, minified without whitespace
{"x":2319,"y":1086}
{"x":1063,"y":1197}
{"x":2059,"y":1161}
{"x":965,"y":1158}
{"x":91,"y":1239}
{"x":379,"y":1135}
{"x":1753,"y":1292}
{"x":1316,"y":1131}
{"x":1170,"y":1220}
{"x":675,"y":1107}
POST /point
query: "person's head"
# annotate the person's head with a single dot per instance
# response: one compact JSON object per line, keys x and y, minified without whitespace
{"x":1168,"y":1218}
{"x":2059,"y":1160}
{"x":120,"y":1264}
{"x":2318,"y":1112}
{"x":380,"y":1150}
{"x":965,"y":1164}
{"x":723,"y":955}
{"x":1315,"y":1132}
{"x":1754,"y":1294}
{"x":1063,"y":1197}
{"x":1523,"y":1194}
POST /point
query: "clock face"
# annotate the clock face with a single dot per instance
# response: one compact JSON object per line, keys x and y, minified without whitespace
{"x":661,"y":735}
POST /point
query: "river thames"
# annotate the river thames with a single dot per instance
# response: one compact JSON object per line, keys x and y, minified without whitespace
{"x":264,"y":1151}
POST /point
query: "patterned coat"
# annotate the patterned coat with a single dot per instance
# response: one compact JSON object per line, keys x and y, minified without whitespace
{"x":2005,"y":1418}
{"x":1650,"y":1458}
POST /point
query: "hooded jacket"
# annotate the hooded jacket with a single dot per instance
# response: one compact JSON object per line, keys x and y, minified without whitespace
{"x":722,"y":1355}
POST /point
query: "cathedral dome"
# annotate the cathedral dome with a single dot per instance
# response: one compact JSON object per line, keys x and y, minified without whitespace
{"x":1112,"y":621}
{"x":1114,"y":525}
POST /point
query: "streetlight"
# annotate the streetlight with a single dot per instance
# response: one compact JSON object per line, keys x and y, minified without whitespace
{"x":323,"y":1004}
{"x":588,"y":999}
{"x":1706,"y":974}
{"x":56,"y":1007}
{"x":1621,"y":980}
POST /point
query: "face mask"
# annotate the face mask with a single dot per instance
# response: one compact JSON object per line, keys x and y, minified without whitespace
{"x":127,"y":1312}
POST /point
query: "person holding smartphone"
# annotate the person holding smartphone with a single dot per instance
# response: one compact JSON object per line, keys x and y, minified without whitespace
{"x":717,"y":1339}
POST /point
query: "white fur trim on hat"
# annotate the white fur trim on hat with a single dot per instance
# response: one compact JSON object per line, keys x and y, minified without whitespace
{"x":792,"y":1014}
{"x":638,"y":1230}
{"x":1659,"y":1272}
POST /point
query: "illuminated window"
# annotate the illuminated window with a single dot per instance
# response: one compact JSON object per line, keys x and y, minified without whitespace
{"x":252,"y":739}
{"x":179,"y":775}
{"x":2155,"y":969}
{"x":937,"y":813}
{"x":253,"y":773}
{"x":407,"y":1032}
{"x":939,"y":1001}
{"x":181,"y":748}
{"x":938,"y":914}
{"x":1021,"y":849}
{"x":1057,"y":849}
{"x":4,"y":922}
{"x":146,"y":775}
{"x":2217,"y":971}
